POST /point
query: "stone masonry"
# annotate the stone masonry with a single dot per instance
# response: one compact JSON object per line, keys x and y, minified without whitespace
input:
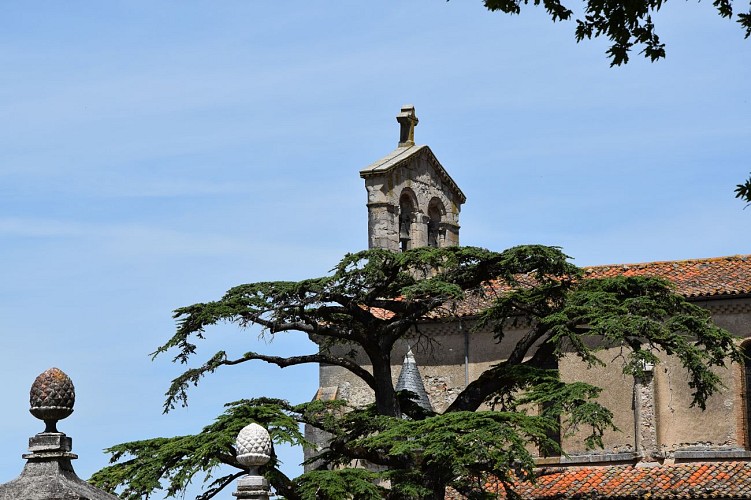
{"x":412,"y":200}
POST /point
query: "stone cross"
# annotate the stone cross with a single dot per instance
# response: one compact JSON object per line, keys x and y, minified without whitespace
{"x":407,"y":121}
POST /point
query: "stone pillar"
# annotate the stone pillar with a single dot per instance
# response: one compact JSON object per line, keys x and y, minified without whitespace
{"x":49,"y":474}
{"x":252,"y":488}
{"x":253,"y":447}
{"x":645,"y":416}
{"x":449,"y":234}
{"x":419,"y":230}
{"x":383,"y":226}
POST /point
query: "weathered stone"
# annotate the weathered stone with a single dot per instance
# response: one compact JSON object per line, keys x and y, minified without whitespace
{"x":48,"y":473}
{"x":51,"y":477}
{"x":253,"y":446}
{"x":646,"y":418}
{"x":52,"y":397}
{"x":412,"y":201}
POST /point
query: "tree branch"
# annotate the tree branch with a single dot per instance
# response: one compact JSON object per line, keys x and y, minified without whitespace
{"x":282,"y":484}
{"x":219,"y":485}
{"x":283,"y":362}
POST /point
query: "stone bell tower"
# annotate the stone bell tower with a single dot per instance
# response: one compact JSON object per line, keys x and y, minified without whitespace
{"x":412,"y":201}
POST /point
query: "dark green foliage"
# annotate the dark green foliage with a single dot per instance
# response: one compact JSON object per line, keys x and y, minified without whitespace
{"x":625,"y":24}
{"x":743,"y":191}
{"x":447,"y":449}
{"x":371,"y":300}
{"x":170,"y":464}
{"x":340,"y":483}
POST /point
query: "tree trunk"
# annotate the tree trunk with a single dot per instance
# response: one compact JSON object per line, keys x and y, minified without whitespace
{"x":439,"y":493}
{"x":385,"y":397}
{"x":437,"y":487}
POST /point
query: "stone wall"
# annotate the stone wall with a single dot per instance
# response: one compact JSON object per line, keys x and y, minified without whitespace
{"x":418,"y":178}
{"x":652,"y":414}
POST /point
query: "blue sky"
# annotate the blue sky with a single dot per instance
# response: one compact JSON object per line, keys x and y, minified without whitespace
{"x":154,"y":154}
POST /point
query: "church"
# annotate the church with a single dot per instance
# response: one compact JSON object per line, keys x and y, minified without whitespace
{"x":664,"y":448}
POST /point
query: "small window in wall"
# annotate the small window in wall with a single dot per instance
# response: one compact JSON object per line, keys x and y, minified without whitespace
{"x":406,"y":211}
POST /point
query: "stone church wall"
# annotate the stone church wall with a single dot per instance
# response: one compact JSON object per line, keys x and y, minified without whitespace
{"x":617,"y":395}
{"x":682,"y":427}
{"x":653,"y":415}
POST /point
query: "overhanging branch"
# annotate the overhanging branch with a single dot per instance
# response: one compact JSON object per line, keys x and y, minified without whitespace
{"x":179,"y":386}
{"x":283,"y":362}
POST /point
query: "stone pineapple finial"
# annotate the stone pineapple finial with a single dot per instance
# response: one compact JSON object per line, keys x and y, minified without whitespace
{"x":52,"y":397}
{"x":48,"y":473}
{"x":253,"y":446}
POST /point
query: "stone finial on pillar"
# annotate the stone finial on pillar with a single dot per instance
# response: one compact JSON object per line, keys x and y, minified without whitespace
{"x":48,"y":473}
{"x":408,"y":121}
{"x":52,"y":397}
{"x":253,"y":450}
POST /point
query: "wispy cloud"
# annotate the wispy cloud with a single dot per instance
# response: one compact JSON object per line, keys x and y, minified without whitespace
{"x":39,"y":228}
{"x":125,"y":238}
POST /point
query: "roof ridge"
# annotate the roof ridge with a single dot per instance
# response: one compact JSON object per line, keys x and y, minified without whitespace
{"x":680,"y":261}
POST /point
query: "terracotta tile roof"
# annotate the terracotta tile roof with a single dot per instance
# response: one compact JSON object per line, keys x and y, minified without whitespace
{"x":667,"y":482}
{"x":692,"y":278}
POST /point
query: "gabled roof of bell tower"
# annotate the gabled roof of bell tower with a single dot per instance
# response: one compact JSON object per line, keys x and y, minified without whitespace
{"x":407,"y":151}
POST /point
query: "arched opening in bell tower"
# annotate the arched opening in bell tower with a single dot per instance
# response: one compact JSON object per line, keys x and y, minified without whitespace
{"x":407,"y":209}
{"x":436,"y":212}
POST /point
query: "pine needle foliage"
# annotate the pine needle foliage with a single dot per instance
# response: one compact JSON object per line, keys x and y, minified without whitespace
{"x":369,"y":302}
{"x":170,"y":464}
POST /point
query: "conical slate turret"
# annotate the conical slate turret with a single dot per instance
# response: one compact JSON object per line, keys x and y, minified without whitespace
{"x":410,"y":380}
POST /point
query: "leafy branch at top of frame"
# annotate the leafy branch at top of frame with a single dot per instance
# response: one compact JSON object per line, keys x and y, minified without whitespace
{"x":743,"y":191}
{"x":626,"y":24}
